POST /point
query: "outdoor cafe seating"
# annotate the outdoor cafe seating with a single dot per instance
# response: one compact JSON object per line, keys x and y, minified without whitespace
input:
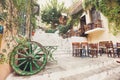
{"x":93,"y":49}
{"x":118,"y":49}
{"x":83,"y":49}
{"x":103,"y":47}
{"x":84,"y":46}
{"x":76,"y":49}
{"x":80,"y":49}
{"x":110,"y":49}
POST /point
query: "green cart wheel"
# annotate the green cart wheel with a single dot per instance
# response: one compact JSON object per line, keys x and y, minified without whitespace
{"x":28,"y":58}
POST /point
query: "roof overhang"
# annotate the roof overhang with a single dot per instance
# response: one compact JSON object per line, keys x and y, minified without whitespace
{"x":76,"y":7}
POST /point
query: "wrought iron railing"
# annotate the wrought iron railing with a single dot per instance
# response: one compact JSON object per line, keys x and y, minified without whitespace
{"x":90,"y":26}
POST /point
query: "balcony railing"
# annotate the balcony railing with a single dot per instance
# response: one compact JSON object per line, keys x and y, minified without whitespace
{"x":87,"y":29}
{"x":92,"y":27}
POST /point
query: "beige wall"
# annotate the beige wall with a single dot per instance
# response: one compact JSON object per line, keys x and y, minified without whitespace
{"x":5,"y":67}
{"x":118,"y":37}
{"x":95,"y":37}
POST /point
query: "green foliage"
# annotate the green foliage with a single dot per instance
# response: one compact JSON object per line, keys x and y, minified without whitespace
{"x":33,"y":22}
{"x":51,"y":12}
{"x":76,"y":17}
{"x":50,"y":31}
{"x":3,"y":14}
{"x":63,"y":29}
{"x":72,"y":20}
{"x":88,"y":4}
{"x":3,"y":3}
{"x":22,"y":7}
{"x":109,"y":8}
{"x":2,"y":58}
{"x":21,"y":4}
{"x":20,"y":40}
{"x":51,"y":16}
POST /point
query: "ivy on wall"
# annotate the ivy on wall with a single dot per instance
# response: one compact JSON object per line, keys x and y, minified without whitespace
{"x":76,"y":17}
{"x":3,"y":3}
{"x":109,"y":8}
{"x":21,"y":6}
{"x":13,"y":17}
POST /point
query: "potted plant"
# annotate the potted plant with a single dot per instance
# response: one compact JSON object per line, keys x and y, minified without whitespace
{"x":33,"y":32}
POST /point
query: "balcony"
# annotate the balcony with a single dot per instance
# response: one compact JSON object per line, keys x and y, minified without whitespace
{"x":93,"y":27}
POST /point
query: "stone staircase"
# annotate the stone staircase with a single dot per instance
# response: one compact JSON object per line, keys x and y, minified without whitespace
{"x":107,"y":72}
{"x":97,"y":70}
{"x":114,"y":76}
{"x":76,"y":68}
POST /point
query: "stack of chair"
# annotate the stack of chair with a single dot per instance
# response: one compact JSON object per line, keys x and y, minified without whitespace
{"x":110,"y":49}
{"x":118,"y":49}
{"x":76,"y":49}
{"x":93,"y":49}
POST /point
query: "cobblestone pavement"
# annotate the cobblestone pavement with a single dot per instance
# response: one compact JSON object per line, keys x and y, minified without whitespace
{"x":76,"y":68}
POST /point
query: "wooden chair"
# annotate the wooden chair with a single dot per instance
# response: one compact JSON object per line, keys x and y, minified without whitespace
{"x":93,"y":49}
{"x":84,"y":46}
{"x":110,"y":49}
{"x":118,"y":49}
{"x":76,"y":49}
{"x":102,"y":47}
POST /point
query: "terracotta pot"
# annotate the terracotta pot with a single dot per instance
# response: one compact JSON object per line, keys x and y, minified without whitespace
{"x":33,"y":33}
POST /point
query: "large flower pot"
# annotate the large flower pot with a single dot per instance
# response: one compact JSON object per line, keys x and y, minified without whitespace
{"x":33,"y":33}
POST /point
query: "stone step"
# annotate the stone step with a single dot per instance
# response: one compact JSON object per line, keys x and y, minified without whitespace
{"x":105,"y":72}
{"x":95,"y":74}
{"x":86,"y":63}
{"x":114,"y":76}
{"x":72,"y":67}
{"x":79,"y":70}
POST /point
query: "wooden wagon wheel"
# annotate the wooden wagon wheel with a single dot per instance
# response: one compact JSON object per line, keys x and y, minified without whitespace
{"x":28,"y":58}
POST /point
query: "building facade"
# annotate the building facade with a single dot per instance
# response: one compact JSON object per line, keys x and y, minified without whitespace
{"x":94,"y":24}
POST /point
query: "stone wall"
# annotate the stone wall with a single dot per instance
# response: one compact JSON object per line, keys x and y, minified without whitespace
{"x":53,"y":39}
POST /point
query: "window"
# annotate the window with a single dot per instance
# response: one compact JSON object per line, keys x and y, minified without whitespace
{"x":95,"y":15}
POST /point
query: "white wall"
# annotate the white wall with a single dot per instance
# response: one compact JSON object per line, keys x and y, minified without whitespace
{"x":53,"y":39}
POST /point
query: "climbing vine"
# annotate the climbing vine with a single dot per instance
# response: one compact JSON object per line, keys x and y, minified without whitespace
{"x":22,"y":8}
{"x":76,"y":17}
{"x":109,"y":8}
{"x":14,"y":13}
{"x":3,"y":3}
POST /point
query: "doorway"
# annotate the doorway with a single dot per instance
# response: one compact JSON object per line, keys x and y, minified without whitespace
{"x":82,"y":23}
